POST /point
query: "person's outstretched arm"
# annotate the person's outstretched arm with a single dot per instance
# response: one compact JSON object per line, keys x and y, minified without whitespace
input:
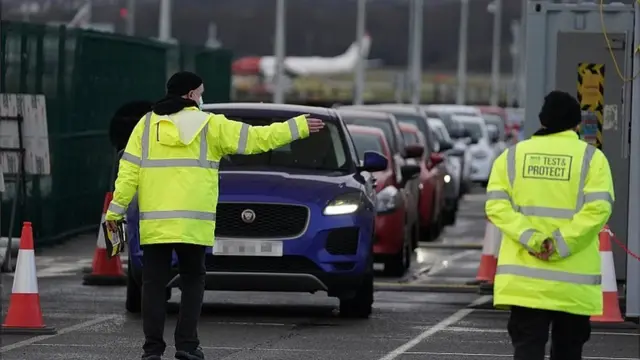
{"x":235,"y":137}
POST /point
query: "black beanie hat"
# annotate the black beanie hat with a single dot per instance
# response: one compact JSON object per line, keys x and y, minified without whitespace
{"x":182,"y":82}
{"x":560,"y":111}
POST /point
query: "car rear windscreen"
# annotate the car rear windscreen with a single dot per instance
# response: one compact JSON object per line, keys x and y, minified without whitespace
{"x":366,"y":142}
{"x":324,"y":150}
{"x":385,"y":126}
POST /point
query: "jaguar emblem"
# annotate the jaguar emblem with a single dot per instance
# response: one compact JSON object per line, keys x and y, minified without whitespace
{"x":248,"y":216}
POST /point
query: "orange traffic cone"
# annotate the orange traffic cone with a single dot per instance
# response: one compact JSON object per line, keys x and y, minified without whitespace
{"x":105,"y":271}
{"x":611,"y":306}
{"x":489,"y":258}
{"x":25,"y":315}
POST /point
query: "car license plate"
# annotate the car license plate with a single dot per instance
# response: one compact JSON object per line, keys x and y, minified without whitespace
{"x":247,"y":248}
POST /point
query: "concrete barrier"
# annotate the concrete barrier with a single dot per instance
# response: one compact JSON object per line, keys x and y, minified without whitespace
{"x":15,"y":245}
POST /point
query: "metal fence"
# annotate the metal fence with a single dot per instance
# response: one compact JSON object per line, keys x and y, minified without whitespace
{"x":85,"y":77}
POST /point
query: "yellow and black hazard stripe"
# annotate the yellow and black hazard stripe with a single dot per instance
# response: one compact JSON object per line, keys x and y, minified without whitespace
{"x":591,"y":93}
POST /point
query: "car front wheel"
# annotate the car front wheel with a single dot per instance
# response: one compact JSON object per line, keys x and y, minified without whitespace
{"x":360,"y":305}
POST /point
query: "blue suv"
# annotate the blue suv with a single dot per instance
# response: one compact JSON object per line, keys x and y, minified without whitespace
{"x":299,"y":218}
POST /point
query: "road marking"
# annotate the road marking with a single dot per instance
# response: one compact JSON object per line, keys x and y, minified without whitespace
{"x":503,"y":355}
{"x":235,"y":348}
{"x":454,"y":318}
{"x":33,"y":340}
{"x":446,"y":263}
{"x":481,"y":330}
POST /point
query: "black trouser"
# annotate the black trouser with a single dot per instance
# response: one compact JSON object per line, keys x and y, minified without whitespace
{"x":529,"y":331}
{"x":156,"y":272}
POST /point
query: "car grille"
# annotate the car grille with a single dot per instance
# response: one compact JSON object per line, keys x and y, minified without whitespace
{"x":271,"y":220}
{"x":285,"y":264}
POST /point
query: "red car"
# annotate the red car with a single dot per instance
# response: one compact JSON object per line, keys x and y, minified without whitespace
{"x":432,"y":182}
{"x":393,"y":243}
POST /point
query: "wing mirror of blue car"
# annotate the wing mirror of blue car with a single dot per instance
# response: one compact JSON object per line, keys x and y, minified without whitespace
{"x":414,"y":151}
{"x":373,"y":161}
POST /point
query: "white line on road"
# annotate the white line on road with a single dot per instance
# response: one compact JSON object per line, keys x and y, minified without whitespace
{"x":480,"y":355}
{"x":457,"y":316}
{"x":446,"y":262}
{"x":33,"y":340}
{"x":481,"y":330}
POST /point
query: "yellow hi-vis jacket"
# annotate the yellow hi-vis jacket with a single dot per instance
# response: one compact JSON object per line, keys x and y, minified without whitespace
{"x":553,"y":187}
{"x":172,"y":162}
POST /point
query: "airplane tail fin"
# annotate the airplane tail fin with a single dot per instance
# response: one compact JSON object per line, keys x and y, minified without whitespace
{"x":355,"y":48}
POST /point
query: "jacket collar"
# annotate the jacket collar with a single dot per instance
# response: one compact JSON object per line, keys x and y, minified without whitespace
{"x":564,"y":133}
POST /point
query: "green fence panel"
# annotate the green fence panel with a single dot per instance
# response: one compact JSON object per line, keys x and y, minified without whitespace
{"x":86,"y":76}
{"x":214,"y":66}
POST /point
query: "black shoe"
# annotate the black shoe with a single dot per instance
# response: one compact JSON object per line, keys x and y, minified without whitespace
{"x":151,"y":357}
{"x":196,"y":354}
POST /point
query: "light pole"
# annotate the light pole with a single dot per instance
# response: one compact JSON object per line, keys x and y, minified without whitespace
{"x":416,"y":73}
{"x":279,"y":45}
{"x":131,"y":17}
{"x":496,"y":6}
{"x":164,"y":23}
{"x":462,"y":53}
{"x":359,"y":80}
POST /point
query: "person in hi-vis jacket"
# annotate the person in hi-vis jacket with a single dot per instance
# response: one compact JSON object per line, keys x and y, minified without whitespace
{"x":171,"y":160}
{"x":550,"y":196}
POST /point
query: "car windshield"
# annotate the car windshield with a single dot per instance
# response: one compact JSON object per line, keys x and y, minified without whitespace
{"x":324,"y":151}
{"x":410,"y":138}
{"x":497,"y":121}
{"x":415,"y":120}
{"x":385,"y":126}
{"x":453,"y":127}
{"x":366,"y":142}
{"x":440,"y":131}
{"x":474,"y":128}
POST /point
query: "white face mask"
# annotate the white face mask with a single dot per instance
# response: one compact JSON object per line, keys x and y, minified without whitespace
{"x":200,"y":102}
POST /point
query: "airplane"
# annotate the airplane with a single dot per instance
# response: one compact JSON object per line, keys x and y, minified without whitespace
{"x":295,"y":66}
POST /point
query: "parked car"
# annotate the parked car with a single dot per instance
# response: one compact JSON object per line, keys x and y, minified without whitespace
{"x":300,"y":218}
{"x":452,"y":187}
{"x":482,"y":152}
{"x":400,"y":153}
{"x":393,"y":242}
{"x":431,"y":198}
{"x":495,"y":118}
{"x":428,"y":167}
{"x":461,"y":138}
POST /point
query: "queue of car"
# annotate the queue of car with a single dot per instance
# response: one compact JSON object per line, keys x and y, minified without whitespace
{"x":315,"y":215}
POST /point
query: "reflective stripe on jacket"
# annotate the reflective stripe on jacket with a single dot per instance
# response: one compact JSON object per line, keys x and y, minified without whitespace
{"x":550,"y":187}
{"x":172,"y":162}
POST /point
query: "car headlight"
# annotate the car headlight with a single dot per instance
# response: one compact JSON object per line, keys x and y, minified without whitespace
{"x":387,"y":199}
{"x":447,"y":179}
{"x":344,"y":204}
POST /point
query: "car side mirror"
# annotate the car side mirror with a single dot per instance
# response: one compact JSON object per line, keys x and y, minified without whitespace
{"x":408,"y":172}
{"x":373,"y":161}
{"x":435,"y":159}
{"x":456,"y":152}
{"x":414,"y":151}
{"x":445,"y":145}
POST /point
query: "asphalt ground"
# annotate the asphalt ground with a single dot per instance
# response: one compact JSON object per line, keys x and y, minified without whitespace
{"x":408,"y":322}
